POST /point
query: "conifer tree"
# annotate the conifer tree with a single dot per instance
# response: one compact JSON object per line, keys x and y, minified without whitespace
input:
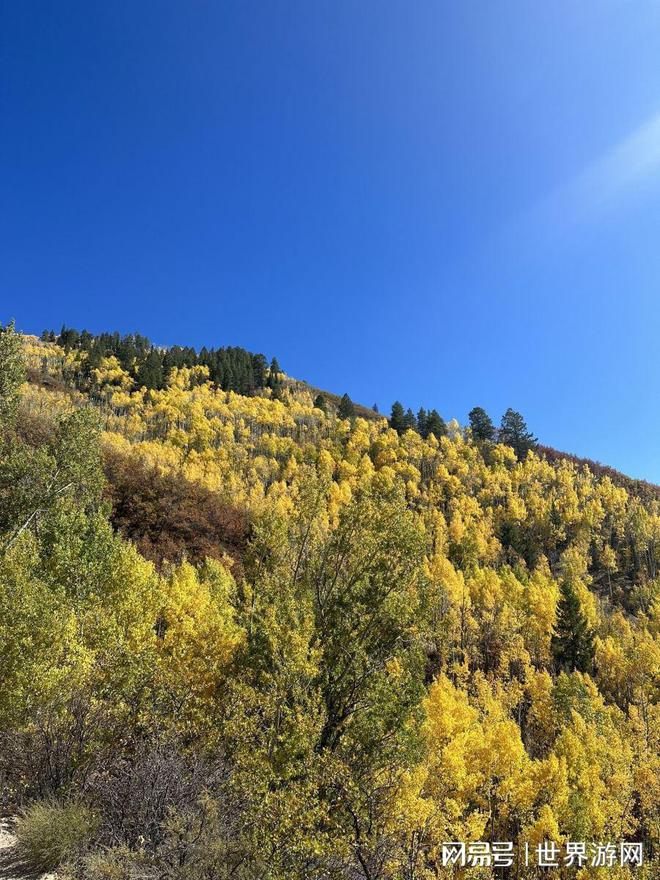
{"x":435,"y":425}
{"x":274,"y":372}
{"x":481,"y":425}
{"x":572,"y":641}
{"x":150,"y":371}
{"x":422,"y":419}
{"x":409,"y":420}
{"x":514,"y":432}
{"x":68,"y":338}
{"x":260,"y":369}
{"x":397,"y":418}
{"x":346,"y":408}
{"x":229,"y":382}
{"x":320,"y":402}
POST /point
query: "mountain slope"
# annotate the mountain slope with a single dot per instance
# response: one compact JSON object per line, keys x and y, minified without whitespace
{"x":241,"y":636}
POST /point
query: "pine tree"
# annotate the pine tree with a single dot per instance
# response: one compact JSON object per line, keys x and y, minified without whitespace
{"x":409,"y":420}
{"x":481,"y":425}
{"x":229,"y":382}
{"x":260,"y":370}
{"x":320,"y":402}
{"x":422,"y":419}
{"x":514,"y":432}
{"x":374,"y":408}
{"x":435,"y":425}
{"x":346,"y":408}
{"x":150,"y":371}
{"x":573,"y":641}
{"x":274,"y":372}
{"x":397,"y":418}
{"x":68,"y":338}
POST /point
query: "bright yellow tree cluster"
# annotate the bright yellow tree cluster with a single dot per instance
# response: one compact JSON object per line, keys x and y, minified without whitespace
{"x":424,"y":640}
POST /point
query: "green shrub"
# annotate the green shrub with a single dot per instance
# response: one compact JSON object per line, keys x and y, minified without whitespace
{"x":52,"y":832}
{"x":117,"y":863}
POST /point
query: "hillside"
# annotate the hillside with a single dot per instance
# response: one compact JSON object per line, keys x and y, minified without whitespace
{"x":641,"y":488}
{"x":244,"y":637}
{"x":230,"y":369}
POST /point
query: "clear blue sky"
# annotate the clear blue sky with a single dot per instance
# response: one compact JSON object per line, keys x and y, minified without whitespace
{"x":449,"y":203}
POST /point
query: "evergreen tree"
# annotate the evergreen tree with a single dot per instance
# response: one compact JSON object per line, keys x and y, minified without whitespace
{"x":229,"y":383}
{"x":150,"y":371}
{"x":346,"y":408}
{"x":231,"y":368}
{"x":435,"y":424}
{"x":127,"y":353}
{"x":397,"y":418}
{"x":274,"y":375}
{"x":68,"y":338}
{"x":409,"y":420}
{"x":320,"y":402}
{"x":260,"y":370}
{"x":375,"y":408}
{"x":422,"y":419}
{"x":572,"y":641}
{"x":481,"y":425}
{"x":514,"y":432}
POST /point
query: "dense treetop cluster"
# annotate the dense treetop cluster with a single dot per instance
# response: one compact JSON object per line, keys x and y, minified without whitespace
{"x":147,"y":365}
{"x":251,"y":636}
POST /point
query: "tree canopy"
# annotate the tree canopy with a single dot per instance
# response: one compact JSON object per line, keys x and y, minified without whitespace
{"x":244,"y":635}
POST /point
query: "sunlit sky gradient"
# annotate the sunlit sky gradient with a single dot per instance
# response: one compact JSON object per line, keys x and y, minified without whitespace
{"x":447,"y":203}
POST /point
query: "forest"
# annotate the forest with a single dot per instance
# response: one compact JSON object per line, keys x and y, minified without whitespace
{"x":148,"y":365}
{"x":251,"y":630}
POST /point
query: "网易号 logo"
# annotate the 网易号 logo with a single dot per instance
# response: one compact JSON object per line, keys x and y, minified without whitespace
{"x":548,"y":854}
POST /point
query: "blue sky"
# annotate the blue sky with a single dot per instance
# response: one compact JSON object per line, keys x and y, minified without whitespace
{"x":453,"y":204}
